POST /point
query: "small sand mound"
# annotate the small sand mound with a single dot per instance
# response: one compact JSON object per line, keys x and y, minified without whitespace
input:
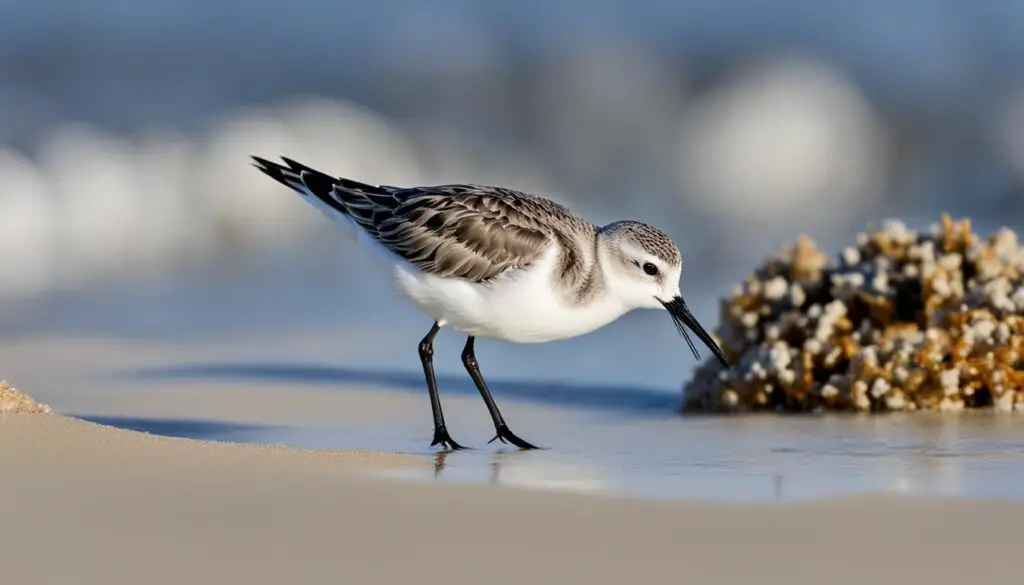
{"x":14,"y":401}
{"x":900,"y":321}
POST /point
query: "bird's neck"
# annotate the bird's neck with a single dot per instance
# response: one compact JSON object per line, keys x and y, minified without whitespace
{"x":577,"y":270}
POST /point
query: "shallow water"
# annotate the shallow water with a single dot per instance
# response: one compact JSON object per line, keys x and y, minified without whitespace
{"x":361,"y":388}
{"x":748,"y":458}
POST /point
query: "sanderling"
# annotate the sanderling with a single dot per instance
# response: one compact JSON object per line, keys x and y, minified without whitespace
{"x":500,"y":264}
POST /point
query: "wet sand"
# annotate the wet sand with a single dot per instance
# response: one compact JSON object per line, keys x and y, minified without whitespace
{"x":89,"y":504}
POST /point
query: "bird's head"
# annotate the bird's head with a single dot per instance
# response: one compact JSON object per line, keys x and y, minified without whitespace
{"x":643,"y":267}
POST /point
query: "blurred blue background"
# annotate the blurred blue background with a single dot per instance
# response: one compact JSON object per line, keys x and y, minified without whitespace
{"x":128,"y":206}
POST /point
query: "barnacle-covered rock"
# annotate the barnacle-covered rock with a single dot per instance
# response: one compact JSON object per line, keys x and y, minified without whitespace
{"x":900,"y":321}
{"x":14,"y":401}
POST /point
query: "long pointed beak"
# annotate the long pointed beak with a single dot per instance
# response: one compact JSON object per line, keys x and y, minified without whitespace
{"x":683,"y":319}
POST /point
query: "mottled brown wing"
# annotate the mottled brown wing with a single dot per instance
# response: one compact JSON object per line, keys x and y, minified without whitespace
{"x":464,"y":231}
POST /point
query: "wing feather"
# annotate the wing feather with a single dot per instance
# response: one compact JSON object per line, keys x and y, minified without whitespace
{"x":463,"y":231}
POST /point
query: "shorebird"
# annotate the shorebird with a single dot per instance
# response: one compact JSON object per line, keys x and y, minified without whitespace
{"x":500,"y":264}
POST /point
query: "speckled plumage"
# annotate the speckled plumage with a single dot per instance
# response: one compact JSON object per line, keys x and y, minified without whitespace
{"x":498,"y":263}
{"x":652,"y":240}
{"x":475,"y":232}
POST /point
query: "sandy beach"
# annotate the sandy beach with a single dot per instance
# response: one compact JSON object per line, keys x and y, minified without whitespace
{"x":88,"y":504}
{"x":766,"y":322}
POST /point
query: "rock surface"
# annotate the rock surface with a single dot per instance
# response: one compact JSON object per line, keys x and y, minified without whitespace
{"x":899,"y":321}
{"x":14,"y":401}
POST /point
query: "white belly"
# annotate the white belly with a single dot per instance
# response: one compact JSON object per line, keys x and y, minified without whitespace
{"x":520,"y":308}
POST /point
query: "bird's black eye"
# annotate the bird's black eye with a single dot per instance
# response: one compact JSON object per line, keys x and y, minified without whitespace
{"x":650,"y":269}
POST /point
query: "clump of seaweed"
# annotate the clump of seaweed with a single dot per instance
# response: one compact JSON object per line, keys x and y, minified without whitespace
{"x":900,"y":321}
{"x":14,"y":401}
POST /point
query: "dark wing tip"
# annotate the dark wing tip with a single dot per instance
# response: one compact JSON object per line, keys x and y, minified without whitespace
{"x":272,"y":170}
{"x":262,"y":163}
{"x":297,"y":166}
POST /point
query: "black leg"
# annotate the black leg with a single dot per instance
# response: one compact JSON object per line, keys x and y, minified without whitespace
{"x":504,"y":435}
{"x":441,"y":436}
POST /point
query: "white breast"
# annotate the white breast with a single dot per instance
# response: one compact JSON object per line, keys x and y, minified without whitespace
{"x":520,"y":307}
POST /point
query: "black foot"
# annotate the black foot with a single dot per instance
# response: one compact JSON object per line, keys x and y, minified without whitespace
{"x":506,"y":436}
{"x":441,"y":437}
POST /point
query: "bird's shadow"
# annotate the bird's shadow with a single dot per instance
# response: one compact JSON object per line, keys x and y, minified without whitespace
{"x":191,"y":428}
{"x":618,"y":399}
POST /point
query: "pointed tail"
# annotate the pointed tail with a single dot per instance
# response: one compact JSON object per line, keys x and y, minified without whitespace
{"x":313,"y":185}
{"x":336,"y":193}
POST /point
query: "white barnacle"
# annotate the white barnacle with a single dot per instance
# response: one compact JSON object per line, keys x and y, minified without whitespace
{"x":958,"y":288}
{"x":941,"y":286}
{"x":880,"y":283}
{"x":833,"y":356}
{"x":902,"y":374}
{"x":797,"y":296}
{"x":835,"y":310}
{"x":775,"y":288}
{"x":950,"y":381}
{"x":967,"y":336}
{"x":851,"y":256}
{"x":1002,"y":400}
{"x":779,"y":356}
{"x":730,"y":398}
{"x":950,"y":262}
{"x":749,"y":319}
{"x":880,"y":387}
{"x":787,"y":377}
{"x":997,"y":294}
{"x":895,"y":401}
{"x":926,"y":252}
{"x":823,"y":331}
{"x":898,"y":231}
{"x":870,"y":356}
{"x":860,"y":395}
{"x":950,"y":404}
{"x":982,"y":330}
{"x":1018,"y":298}
{"x":813,"y":346}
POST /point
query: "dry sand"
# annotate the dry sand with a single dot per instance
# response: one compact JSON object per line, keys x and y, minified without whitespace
{"x":86,"y":504}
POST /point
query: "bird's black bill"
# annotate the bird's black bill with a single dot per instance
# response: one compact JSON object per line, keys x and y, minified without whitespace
{"x":683,"y":319}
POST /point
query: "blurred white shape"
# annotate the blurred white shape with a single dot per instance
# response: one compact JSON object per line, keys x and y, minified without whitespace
{"x":26,"y":229}
{"x":243,"y":206}
{"x":789,"y":138}
{"x":331,"y":136}
{"x":100,"y":208}
{"x":341,"y":138}
{"x":171,"y":221}
{"x":105,"y":209}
